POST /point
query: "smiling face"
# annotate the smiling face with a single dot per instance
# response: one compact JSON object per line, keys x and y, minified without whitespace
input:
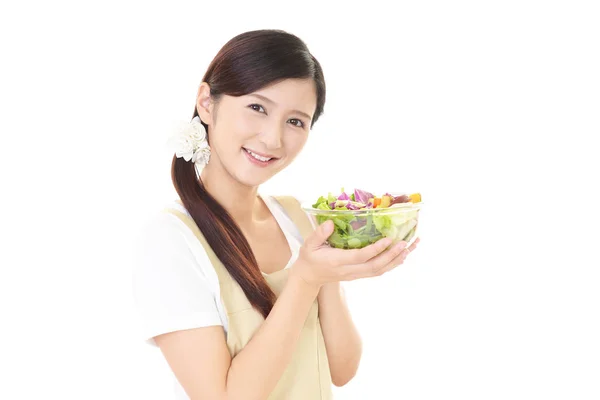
{"x":252,"y":137}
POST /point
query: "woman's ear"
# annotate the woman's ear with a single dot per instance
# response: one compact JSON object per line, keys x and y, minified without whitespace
{"x":204,"y":104}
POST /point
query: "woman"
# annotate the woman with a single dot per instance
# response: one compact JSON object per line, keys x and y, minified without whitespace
{"x":242,"y":297}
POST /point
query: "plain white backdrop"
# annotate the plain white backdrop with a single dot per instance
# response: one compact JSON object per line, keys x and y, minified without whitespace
{"x":489,"y":109}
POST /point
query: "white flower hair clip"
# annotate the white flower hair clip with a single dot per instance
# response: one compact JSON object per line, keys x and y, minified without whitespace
{"x":189,"y":142}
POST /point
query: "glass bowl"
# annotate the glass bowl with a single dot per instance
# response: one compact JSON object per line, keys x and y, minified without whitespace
{"x":355,"y":229}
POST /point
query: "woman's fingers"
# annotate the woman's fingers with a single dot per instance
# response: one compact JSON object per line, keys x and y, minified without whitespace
{"x":414,"y":245}
{"x":382,"y":263}
{"x":373,"y":265}
{"x":359,"y":256}
{"x":398,"y":260}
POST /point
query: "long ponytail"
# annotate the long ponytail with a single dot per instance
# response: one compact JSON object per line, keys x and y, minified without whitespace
{"x":223,"y":235}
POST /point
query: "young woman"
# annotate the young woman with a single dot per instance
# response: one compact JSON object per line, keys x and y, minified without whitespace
{"x":237,"y":290}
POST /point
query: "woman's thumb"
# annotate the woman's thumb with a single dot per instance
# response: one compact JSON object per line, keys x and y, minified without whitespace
{"x":321,"y":234}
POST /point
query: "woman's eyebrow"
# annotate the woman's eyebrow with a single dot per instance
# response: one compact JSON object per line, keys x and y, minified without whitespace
{"x":260,"y":96}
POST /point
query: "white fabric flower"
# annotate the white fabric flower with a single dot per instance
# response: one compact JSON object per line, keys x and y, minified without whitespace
{"x":189,"y":142}
{"x":202,"y":154}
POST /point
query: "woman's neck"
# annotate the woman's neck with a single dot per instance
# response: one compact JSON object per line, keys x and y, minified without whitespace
{"x":239,"y":200}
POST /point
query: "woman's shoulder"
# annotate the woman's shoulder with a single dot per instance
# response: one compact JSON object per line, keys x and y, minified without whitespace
{"x":166,"y":231}
{"x":166,"y":241}
{"x":164,"y":220}
{"x":283,"y":202}
{"x":173,"y":282}
{"x":281,"y":205}
{"x":288,"y":211}
{"x":282,"y":198}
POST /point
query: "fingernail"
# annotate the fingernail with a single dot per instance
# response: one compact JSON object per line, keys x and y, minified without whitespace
{"x":401,"y":245}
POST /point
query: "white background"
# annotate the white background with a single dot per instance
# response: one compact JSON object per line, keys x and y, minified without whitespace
{"x":489,"y":109}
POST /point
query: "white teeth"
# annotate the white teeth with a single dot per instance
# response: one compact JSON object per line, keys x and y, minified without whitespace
{"x":259,"y":158}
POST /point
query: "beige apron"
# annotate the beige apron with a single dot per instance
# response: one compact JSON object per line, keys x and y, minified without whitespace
{"x":307,"y":376}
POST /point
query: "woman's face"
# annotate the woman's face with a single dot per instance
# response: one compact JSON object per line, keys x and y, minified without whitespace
{"x":252,"y":137}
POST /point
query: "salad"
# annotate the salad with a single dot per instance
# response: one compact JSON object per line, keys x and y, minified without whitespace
{"x":361,"y":218}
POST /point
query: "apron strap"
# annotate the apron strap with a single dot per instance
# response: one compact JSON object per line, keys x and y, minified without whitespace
{"x":292,"y":207}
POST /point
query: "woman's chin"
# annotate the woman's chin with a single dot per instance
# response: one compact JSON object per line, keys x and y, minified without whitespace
{"x":250,"y":175}
{"x":246,"y":178}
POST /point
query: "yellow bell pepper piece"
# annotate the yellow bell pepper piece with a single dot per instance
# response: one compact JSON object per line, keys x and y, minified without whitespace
{"x":415,"y":197}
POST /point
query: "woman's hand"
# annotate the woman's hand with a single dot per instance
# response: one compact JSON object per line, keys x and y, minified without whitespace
{"x":318,"y":263}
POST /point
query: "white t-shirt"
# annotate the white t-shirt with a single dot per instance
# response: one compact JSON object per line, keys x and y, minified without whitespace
{"x":175,"y":286}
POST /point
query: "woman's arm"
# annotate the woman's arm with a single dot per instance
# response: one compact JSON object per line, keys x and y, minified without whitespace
{"x":201,"y":361}
{"x":343,"y":343}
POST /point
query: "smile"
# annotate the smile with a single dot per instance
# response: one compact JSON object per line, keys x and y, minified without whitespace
{"x":258,"y":159}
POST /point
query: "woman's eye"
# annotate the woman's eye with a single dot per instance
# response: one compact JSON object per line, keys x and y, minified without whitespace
{"x":257,"y":107}
{"x":297,"y":122}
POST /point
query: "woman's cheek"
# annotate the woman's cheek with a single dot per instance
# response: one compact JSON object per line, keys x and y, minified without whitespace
{"x":295,"y":143}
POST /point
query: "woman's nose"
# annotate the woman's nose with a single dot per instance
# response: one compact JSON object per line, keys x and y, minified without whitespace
{"x":271,"y":136}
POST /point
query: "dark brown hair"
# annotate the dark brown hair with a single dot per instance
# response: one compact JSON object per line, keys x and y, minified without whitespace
{"x":245,"y":64}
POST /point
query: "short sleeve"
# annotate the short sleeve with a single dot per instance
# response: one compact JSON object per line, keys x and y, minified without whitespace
{"x":170,"y":291}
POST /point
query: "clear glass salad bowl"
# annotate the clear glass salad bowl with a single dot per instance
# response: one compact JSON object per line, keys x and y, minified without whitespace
{"x":361,"y":219}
